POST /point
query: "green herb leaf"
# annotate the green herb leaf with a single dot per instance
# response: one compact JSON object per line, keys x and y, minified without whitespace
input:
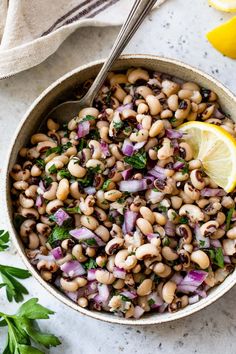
{"x":88,"y":117}
{"x":59,"y":233}
{"x":47,"y":181}
{"x":40,"y":163}
{"x":4,"y":239}
{"x":91,"y":242}
{"x":202,"y":243}
{"x":14,"y":289}
{"x":151,"y":302}
{"x":183,"y":220}
{"x":90,"y":264}
{"x":82,"y":144}
{"x":118,"y":125}
{"x":124,"y":298}
{"x":64,"y":174}
{"x":54,"y":150}
{"x":106,"y":184}
{"x":138,"y":161}
{"x":23,"y":329}
{"x":228,"y":218}
{"x":52,"y":169}
{"x":162,"y":208}
{"x":217,"y":256}
{"x":75,"y":210}
{"x":18,"y":220}
{"x":166,"y":241}
{"x":66,"y":146}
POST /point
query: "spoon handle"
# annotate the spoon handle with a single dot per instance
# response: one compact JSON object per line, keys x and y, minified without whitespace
{"x":136,"y":16}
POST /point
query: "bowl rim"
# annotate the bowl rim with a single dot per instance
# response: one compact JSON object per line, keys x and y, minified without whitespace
{"x":102,"y":316}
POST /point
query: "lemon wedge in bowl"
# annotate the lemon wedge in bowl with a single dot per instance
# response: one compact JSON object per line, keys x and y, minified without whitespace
{"x":223,"y":5}
{"x":216,"y":149}
{"x":223,"y":38}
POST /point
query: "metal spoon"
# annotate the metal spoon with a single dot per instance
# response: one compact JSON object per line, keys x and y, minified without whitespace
{"x":136,"y":16}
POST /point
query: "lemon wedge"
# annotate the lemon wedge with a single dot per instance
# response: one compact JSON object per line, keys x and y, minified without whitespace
{"x":216,"y":148}
{"x":223,"y":38}
{"x":223,"y":5}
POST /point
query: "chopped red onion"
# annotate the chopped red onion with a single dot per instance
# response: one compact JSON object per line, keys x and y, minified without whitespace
{"x":138,"y":312}
{"x":129,"y":294}
{"x":193,"y":299}
{"x":133,"y":185}
{"x":138,"y":146}
{"x":158,"y":172}
{"x":84,"y":234}
{"x":39,"y":201}
{"x":42,"y":257}
{"x":215,"y":243}
{"x":72,"y":295}
{"x":61,"y":216}
{"x":105,"y":148}
{"x":91,"y":287}
{"x":173,"y":134}
{"x":170,"y":228}
{"x":152,"y":236}
{"x":178,"y":165}
{"x":192,"y":281}
{"x":139,"y":126}
{"x":104,"y":292}
{"x":42,"y":186}
{"x":201,"y":293}
{"x":119,"y":273}
{"x":217,"y":114}
{"x":163,"y":307}
{"x":90,"y":190}
{"x":125,"y":106}
{"x":91,"y":274}
{"x":203,"y":242}
{"x":130,"y":220}
{"x":127,"y":148}
{"x":73,"y":269}
{"x":212,"y":192}
{"x":126,"y":174}
{"x":157,"y":300}
{"x":83,"y":129}
{"x":176,"y":278}
{"x":57,"y":252}
{"x":227,"y":260}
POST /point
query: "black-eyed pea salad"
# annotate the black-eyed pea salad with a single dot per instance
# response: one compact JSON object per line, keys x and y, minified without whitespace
{"x":130,"y":207}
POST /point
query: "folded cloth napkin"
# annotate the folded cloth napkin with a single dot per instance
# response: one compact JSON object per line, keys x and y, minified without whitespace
{"x":31,"y":30}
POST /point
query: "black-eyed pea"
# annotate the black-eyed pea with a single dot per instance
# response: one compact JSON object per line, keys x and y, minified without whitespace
{"x":46,"y":275}
{"x":91,"y":111}
{"x":20,"y":185}
{"x":113,"y":245}
{"x":23,"y":152}
{"x":170,"y":87}
{"x":147,"y":122}
{"x":209,"y":228}
{"x":53,"y":206}
{"x":197,"y":179}
{"x":176,"y":202}
{"x":185,"y":232}
{"x":130,"y":312}
{"x":57,"y":164}
{"x":193,"y":212}
{"x":145,"y":226}
{"x":194,"y":164}
{"x":18,"y":174}
{"x":25,"y":201}
{"x":152,"y":154}
{"x":139,"y":136}
{"x":77,"y":252}
{"x":128,"y":99}
{"x":145,"y":287}
{"x":147,"y":214}
{"x":143,"y":303}
{"x":190,"y":86}
{"x":154,"y":105}
{"x":192,"y":116}
{"x":86,"y":205}
{"x":188,"y":248}
{"x":191,"y":191}
{"x":173,"y":102}
{"x":166,"y":150}
{"x":183,"y":109}
{"x":138,"y":74}
{"x":104,"y":277}
{"x":196,"y":97}
{"x":144,"y":91}
{"x":115,"y":151}
{"x":142,"y":108}
{"x":168,"y":291}
{"x":95,"y":146}
{"x":166,"y":114}
{"x":136,"y":269}
{"x":81,"y":281}
{"x":128,"y":114}
{"x":112,"y":195}
{"x":119,"y":93}
{"x":69,"y":285}
{"x":169,"y":254}
{"x":51,"y":125}
{"x":75,"y":169}
{"x":152,"y":142}
{"x":39,"y":137}
{"x":118,"y":79}
{"x":200,"y":258}
{"x":124,"y":260}
{"x":35,"y":171}
{"x":156,"y":128}
{"x":146,"y":251}
{"x":231,"y":233}
{"x":82,"y":302}
{"x":160,"y":218}
{"x":208,"y":112}
{"x":184,"y":301}
{"x":184,"y":93}
{"x":94,"y":163}
{"x":90,"y":252}
{"x":227,"y":202}
{"x":89,"y":221}
{"x":220,"y":218}
{"x":33,"y":241}
{"x":185,"y":151}
{"x":63,"y":189}
{"x":32,"y":191}
{"x":75,"y":190}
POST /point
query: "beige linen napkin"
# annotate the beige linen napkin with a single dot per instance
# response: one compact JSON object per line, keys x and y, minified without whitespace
{"x":31,"y":30}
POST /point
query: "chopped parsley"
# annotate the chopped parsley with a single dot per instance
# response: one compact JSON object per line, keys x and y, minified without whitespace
{"x":183,"y":220}
{"x":47,"y":181}
{"x":40,"y":163}
{"x":59,"y":233}
{"x":58,"y":149}
{"x":52,"y":169}
{"x":124,"y":298}
{"x":217,"y":256}
{"x":90,"y":242}
{"x":75,"y":210}
{"x":64,"y":174}
{"x":106,"y":184}
{"x":138,"y":161}
{"x":185,"y":169}
{"x":118,"y":125}
{"x":90,"y":264}
{"x":162,"y":208}
{"x":151,"y":302}
{"x":87,"y":117}
{"x":166,"y":241}
{"x":82,"y":144}
{"x":202,"y":243}
{"x":228,"y":218}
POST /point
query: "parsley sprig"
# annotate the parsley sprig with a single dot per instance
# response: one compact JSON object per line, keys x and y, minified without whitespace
{"x":14,"y":289}
{"x":23,"y":329}
{"x":4,"y":239}
{"x":138,"y":161}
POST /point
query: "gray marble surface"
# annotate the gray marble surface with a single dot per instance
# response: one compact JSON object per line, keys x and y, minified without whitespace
{"x":177,"y":30}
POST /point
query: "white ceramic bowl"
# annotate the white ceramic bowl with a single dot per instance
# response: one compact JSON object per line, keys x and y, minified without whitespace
{"x":33,"y":119}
